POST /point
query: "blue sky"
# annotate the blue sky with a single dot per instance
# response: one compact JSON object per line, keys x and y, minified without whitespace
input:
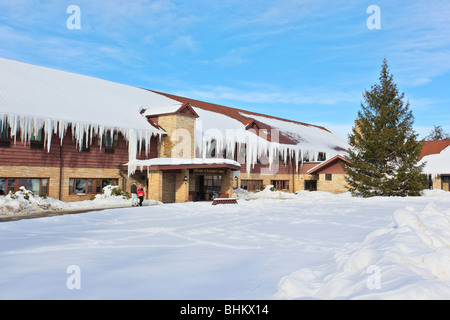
{"x":306,"y":60}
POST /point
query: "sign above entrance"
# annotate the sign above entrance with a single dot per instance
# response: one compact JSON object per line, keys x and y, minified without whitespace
{"x":209,"y":171}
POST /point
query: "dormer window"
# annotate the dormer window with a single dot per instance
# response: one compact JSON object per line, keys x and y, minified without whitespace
{"x":110,"y":142}
{"x":322,"y":156}
{"x":37,"y":140}
{"x":4,"y":135}
{"x":83,"y":147}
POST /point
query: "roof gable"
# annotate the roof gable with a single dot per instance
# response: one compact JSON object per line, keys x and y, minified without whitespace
{"x":187,"y":110}
{"x":327,"y":164}
{"x":253,"y":124}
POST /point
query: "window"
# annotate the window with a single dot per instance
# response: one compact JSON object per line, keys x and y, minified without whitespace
{"x":44,"y":186}
{"x":311,"y":185}
{"x":77,"y":186}
{"x":252,"y":185}
{"x":4,"y":135}
{"x":37,"y":136}
{"x":83,"y":147}
{"x":80,"y":186}
{"x":2,"y":186}
{"x":110,"y":142}
{"x":98,"y":188}
{"x":37,"y":185}
{"x":89,"y":186}
{"x":328,"y":177}
{"x":11,"y":185}
{"x":281,"y":184}
{"x":36,"y":140}
{"x":34,"y":185}
{"x":322,"y":156}
{"x":4,"y":132}
{"x":22,"y":183}
{"x":107,"y":182}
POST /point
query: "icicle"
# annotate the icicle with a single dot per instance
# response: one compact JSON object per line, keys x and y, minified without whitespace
{"x":83,"y":133}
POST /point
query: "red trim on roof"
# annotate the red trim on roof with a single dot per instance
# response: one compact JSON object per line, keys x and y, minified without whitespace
{"x":154,"y":124}
{"x":433,"y":147}
{"x":236,"y":114}
{"x":252,"y":124}
{"x":327,"y":163}
{"x":190,"y":111}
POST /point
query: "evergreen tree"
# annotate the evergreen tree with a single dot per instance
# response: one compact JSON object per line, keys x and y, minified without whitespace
{"x":385,"y":151}
{"x":438,"y":133}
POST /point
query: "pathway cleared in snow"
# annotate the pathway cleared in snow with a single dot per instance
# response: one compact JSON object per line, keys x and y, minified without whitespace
{"x":52,"y":213}
{"x":257,"y":249}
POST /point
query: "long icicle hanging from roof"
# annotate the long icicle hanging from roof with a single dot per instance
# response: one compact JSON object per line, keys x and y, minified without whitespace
{"x":256,"y":148}
{"x":83,"y":133}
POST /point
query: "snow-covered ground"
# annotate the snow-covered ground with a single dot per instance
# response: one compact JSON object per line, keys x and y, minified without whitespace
{"x":25,"y":202}
{"x":310,"y":246}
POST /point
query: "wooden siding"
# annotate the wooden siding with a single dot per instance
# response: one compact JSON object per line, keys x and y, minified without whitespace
{"x":20,"y":154}
{"x":332,"y":168}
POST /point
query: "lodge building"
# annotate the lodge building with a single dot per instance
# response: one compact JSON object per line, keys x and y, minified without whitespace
{"x":67,"y":136}
{"x":436,"y":156}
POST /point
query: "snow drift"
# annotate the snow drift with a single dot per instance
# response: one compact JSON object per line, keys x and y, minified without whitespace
{"x":410,"y":259}
{"x":318,"y":244}
{"x":25,"y":202}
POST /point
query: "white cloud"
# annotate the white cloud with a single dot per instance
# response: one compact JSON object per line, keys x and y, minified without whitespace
{"x":182,"y":43}
{"x":423,"y":103}
{"x":418,"y":40}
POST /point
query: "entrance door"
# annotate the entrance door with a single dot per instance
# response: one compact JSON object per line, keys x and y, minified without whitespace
{"x":311,"y":185}
{"x":206,"y":187}
{"x":212,"y":187}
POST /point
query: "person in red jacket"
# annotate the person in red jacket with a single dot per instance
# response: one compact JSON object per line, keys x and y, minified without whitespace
{"x":141,"y":195}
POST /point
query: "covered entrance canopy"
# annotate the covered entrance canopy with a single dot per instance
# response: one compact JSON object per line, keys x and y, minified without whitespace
{"x":180,"y":180}
{"x":178,"y":163}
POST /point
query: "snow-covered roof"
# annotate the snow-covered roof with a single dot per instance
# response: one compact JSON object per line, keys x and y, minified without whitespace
{"x":436,"y":164}
{"x":433,"y":147}
{"x":162,"y":109}
{"x":305,"y":136}
{"x":181,"y":161}
{"x":133,"y":164}
{"x":228,"y":127}
{"x":31,"y":96}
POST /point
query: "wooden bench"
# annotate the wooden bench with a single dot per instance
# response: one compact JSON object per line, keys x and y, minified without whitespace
{"x":224,"y":199}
